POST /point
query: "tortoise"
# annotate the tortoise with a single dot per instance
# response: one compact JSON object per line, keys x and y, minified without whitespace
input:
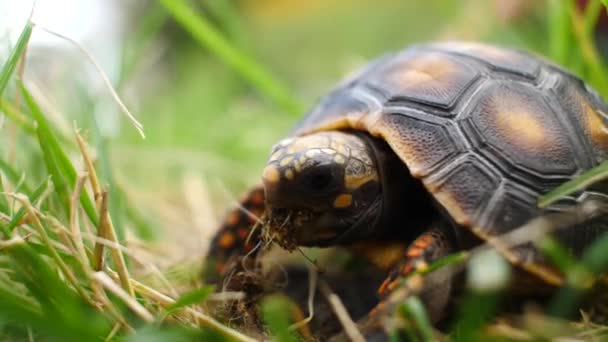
{"x":423,"y":152}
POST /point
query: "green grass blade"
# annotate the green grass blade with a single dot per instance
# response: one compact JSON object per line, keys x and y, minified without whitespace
{"x":24,"y":122}
{"x":13,"y":176}
{"x":21,"y":212}
{"x":275,"y":311}
{"x":590,"y":177}
{"x":594,"y":261}
{"x":210,"y":38}
{"x":13,"y":58}
{"x":473,"y":312}
{"x":58,"y":178}
{"x":558,"y":30}
{"x":413,"y":310}
{"x":63,"y":312}
{"x":173,"y":334}
{"x":17,"y":117}
{"x":592,"y":14}
{"x":64,"y":174}
{"x":195,"y":296}
{"x":451,"y":259}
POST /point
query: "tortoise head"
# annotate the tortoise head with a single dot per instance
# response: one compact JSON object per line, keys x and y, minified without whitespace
{"x":320,"y":188}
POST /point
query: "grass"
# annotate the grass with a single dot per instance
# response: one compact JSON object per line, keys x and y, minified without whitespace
{"x":84,"y":246}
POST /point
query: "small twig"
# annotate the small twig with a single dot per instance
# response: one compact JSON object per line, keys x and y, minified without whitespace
{"x":50,"y":188}
{"x":113,"y":333}
{"x":99,"y":294}
{"x":74,"y":226}
{"x":106,"y":230}
{"x":101,"y":232}
{"x":312,"y":287}
{"x":29,"y":231}
{"x":30,"y":335}
{"x":350,"y":328}
{"x":127,"y":298}
{"x":105,"y":78}
{"x":108,"y":305}
{"x":90,"y":167}
{"x":15,"y":240}
{"x":225,"y":296}
{"x":12,"y":129}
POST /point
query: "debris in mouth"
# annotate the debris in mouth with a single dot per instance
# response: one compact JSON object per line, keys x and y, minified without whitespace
{"x":282,"y":225}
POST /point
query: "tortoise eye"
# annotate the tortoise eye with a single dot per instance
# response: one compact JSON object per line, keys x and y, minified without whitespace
{"x":320,"y":179}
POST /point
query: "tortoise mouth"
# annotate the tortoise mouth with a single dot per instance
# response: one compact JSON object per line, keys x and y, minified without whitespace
{"x":290,"y":228}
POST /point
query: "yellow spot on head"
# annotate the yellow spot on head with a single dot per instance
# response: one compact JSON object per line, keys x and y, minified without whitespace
{"x":276,"y":155}
{"x":285,"y":142}
{"x":343,"y":201}
{"x":341,"y":149}
{"x":285,"y":161}
{"x":289,"y":174}
{"x":312,"y":153}
{"x":340,"y":159}
{"x":354,"y":182}
{"x":271,"y":174}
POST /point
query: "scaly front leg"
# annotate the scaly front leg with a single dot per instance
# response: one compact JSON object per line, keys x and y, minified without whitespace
{"x":238,"y":234}
{"x":433,"y":289}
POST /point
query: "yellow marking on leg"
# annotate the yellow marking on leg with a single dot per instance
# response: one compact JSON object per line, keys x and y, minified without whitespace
{"x":343,"y":201}
{"x":233,"y":218}
{"x":384,"y":255}
{"x":414,"y":252}
{"x":226,"y":240}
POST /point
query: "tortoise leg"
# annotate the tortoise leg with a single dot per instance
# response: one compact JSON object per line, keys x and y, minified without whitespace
{"x":238,"y":234}
{"x":435,"y":287}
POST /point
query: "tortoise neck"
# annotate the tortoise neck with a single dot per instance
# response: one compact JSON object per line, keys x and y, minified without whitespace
{"x":407,"y":207}
{"x":403,"y":209}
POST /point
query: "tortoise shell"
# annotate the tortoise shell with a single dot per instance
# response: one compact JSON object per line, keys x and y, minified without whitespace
{"x":486,"y":130}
